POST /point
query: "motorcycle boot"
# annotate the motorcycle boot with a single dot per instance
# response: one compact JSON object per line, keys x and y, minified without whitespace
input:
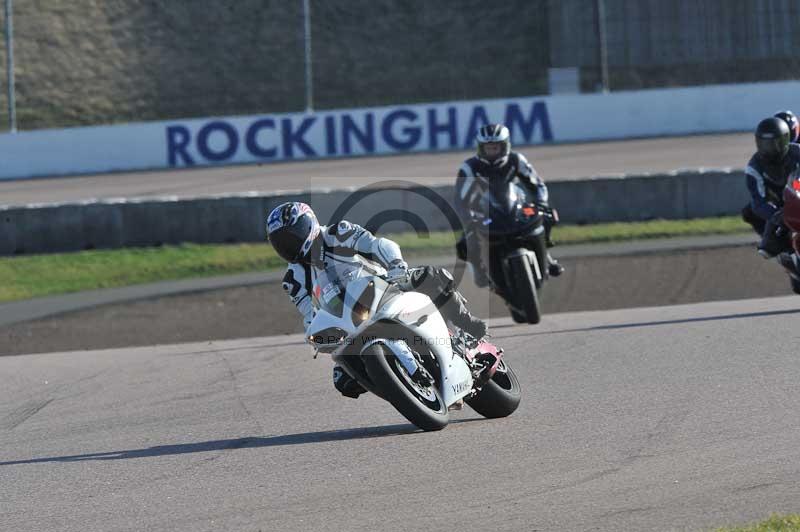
{"x":548,"y":229}
{"x":775,"y":240}
{"x":347,"y":385}
{"x":455,"y":310}
{"x":554,"y":268}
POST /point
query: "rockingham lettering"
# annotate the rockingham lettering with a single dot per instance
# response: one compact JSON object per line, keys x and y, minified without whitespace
{"x":414,"y":128}
{"x":178,"y":139}
{"x":365,"y":136}
{"x":230,"y":141}
{"x":252,"y":143}
{"x":411,"y":134}
{"x":296,"y":137}
{"x":516,"y":122}
{"x":449,"y":127}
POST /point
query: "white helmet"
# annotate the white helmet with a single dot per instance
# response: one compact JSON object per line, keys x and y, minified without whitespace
{"x":494,"y":144}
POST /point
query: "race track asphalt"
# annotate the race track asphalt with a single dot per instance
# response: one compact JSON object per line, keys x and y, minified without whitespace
{"x":670,"y":418}
{"x":656,"y":418}
{"x":554,"y":162}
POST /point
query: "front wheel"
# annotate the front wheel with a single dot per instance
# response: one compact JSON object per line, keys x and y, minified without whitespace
{"x":421,"y":405}
{"x":517,"y":317}
{"x":522,"y":289}
{"x":500,"y":396}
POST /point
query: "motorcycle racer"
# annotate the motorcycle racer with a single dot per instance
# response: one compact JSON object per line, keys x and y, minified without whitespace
{"x":308,"y":247}
{"x":495,"y":160}
{"x":791,"y":120}
{"x":767,"y":173}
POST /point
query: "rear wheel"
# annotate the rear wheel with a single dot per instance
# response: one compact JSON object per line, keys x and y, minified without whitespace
{"x":500,"y":396}
{"x":421,"y":405}
{"x":522,"y":289}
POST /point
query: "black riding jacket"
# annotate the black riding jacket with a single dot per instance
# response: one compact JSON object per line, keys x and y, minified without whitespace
{"x":766,"y":181}
{"x":475,"y":174}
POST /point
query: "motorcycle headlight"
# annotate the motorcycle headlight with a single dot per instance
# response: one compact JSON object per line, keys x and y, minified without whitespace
{"x":332,"y":336}
{"x":361,"y":308}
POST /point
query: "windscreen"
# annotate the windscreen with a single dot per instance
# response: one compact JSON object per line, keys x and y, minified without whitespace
{"x":331,"y":286}
{"x":501,"y":201}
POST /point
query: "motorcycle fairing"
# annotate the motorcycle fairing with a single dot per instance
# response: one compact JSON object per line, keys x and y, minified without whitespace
{"x":411,"y":310}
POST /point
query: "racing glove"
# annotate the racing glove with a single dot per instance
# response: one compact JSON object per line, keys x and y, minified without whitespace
{"x":397,"y":272}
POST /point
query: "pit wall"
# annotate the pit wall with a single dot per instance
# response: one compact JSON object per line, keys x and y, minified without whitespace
{"x":389,"y":130}
{"x":403,"y":207}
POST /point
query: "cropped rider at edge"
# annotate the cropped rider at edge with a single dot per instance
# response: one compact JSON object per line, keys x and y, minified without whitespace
{"x":767,"y":173}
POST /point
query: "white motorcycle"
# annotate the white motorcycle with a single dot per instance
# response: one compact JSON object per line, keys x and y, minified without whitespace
{"x":397,"y":346}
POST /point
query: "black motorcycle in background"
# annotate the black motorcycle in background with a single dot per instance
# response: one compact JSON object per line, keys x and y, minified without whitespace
{"x":513,"y":247}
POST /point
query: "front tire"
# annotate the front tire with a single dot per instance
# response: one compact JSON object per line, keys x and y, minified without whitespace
{"x":517,"y":317}
{"x":522,"y":288}
{"x":422,"y":406}
{"x":500,"y":396}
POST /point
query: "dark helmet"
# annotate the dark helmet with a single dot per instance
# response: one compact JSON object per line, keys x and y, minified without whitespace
{"x":772,"y":139}
{"x":292,"y":229}
{"x":791,"y":121}
{"x":494,"y":143}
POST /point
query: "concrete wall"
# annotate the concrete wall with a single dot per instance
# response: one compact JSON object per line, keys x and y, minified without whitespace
{"x":681,"y":195}
{"x":240,"y":218}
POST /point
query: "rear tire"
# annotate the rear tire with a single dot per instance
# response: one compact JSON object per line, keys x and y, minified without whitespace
{"x":500,"y":396}
{"x":522,"y":288}
{"x":424,"y":407}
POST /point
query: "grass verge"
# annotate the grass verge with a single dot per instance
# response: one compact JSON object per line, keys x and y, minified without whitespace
{"x":25,"y":277}
{"x":776,"y":523}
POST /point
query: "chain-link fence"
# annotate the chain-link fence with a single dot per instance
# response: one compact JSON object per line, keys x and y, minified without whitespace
{"x":84,"y":62}
{"x":651,"y":43}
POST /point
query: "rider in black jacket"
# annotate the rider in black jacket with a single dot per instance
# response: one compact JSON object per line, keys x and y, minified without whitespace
{"x":767,"y":173}
{"x":791,"y":121}
{"x":495,"y":160}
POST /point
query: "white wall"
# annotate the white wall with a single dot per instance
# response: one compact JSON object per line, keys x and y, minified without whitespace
{"x":395,"y":129}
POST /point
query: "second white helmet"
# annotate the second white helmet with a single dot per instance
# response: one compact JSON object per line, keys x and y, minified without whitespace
{"x":494,"y":144}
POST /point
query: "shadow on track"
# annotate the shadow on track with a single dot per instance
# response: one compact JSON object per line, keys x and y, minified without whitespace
{"x":655,"y":323}
{"x":241,"y":443}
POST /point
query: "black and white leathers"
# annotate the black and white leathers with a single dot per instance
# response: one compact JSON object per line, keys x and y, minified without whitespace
{"x":475,"y":174}
{"x":343,"y":242}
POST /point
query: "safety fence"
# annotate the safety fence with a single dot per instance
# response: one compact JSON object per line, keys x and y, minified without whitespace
{"x":84,"y":62}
